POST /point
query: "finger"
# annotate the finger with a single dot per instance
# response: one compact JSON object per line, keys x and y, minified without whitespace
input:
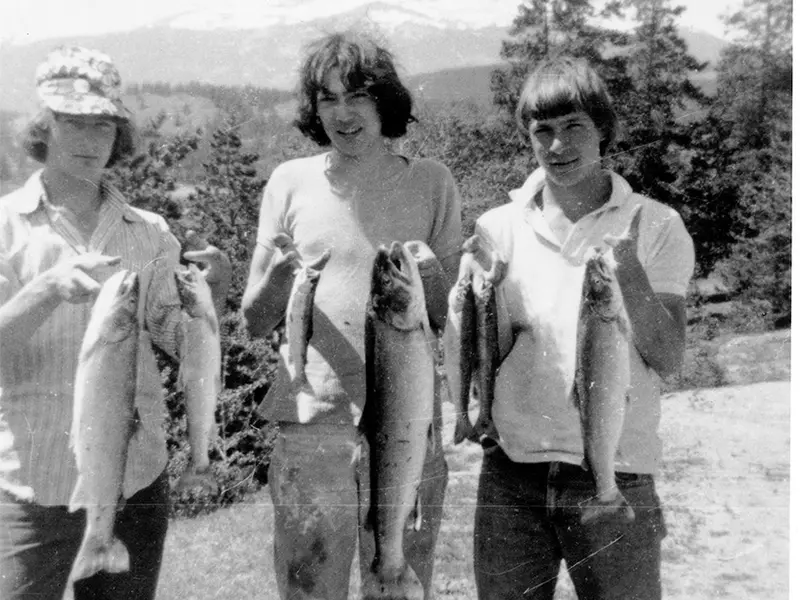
{"x":420,"y":250}
{"x":82,"y":287}
{"x":207,"y":255}
{"x":632,"y":232}
{"x":320,"y":262}
{"x":194,"y":241}
{"x":478,"y":248}
{"x":283,"y":242}
{"x":92,"y":261}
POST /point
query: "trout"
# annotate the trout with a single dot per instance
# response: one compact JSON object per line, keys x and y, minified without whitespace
{"x":300,"y":326}
{"x":480,"y":271}
{"x":199,"y":375}
{"x":461,"y":393}
{"x":601,"y":384}
{"x":104,"y":421}
{"x":487,"y":352}
{"x":398,"y":416}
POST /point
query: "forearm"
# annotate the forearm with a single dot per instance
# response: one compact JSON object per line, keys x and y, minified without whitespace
{"x":264,"y":303}
{"x":24,"y":313}
{"x":658,"y":331}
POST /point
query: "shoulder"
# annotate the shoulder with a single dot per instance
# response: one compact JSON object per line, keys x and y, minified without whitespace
{"x":499,"y":217}
{"x":296,"y":169}
{"x":433,"y":172}
{"x":430,"y":166}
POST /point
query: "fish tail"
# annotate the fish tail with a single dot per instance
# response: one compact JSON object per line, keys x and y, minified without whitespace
{"x":92,"y":558}
{"x":463,"y":428}
{"x":80,"y":497}
{"x":392,"y":584}
{"x":616,"y":508}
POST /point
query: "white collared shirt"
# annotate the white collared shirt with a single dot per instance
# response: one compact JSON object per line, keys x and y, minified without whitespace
{"x":538,"y":306}
{"x":37,"y":376}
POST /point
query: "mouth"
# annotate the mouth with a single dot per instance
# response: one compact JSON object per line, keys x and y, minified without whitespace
{"x":560,"y":164}
{"x":349,"y":131}
{"x":394,"y":263}
{"x":85,"y":156}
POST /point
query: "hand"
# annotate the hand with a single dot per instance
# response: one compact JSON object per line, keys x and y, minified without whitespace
{"x":218,"y":268}
{"x":289,"y":260}
{"x":625,"y":246}
{"x":75,"y":280}
{"x":434,"y":282}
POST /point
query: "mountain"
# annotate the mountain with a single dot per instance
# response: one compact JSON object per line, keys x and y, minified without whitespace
{"x":263,"y":49}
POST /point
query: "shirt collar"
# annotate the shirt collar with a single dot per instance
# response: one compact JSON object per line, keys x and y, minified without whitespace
{"x":620,"y":190}
{"x":33,"y":194}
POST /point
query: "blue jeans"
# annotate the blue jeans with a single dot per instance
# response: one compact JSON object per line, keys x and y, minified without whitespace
{"x":38,"y":545}
{"x":528,"y":519}
{"x":319,"y":483}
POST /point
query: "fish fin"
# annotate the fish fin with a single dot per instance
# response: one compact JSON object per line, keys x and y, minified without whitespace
{"x":366,"y":424}
{"x":79,"y":497}
{"x":416,"y":514}
{"x":380,"y":584}
{"x":93,"y":558}
{"x":194,"y":478}
{"x":463,"y":429}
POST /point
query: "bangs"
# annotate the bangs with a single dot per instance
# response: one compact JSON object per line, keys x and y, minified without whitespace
{"x":354,"y":67}
{"x":551,"y":95}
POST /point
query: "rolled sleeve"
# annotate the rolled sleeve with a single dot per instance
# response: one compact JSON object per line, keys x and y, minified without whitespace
{"x":670,"y":259}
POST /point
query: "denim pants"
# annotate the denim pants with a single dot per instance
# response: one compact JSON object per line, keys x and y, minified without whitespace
{"x":38,"y":545}
{"x":528,"y":519}
{"x":319,"y":483}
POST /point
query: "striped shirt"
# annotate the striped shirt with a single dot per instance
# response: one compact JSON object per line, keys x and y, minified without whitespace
{"x":37,"y":375}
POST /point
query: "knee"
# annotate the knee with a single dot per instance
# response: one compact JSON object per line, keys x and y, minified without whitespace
{"x":306,"y":564}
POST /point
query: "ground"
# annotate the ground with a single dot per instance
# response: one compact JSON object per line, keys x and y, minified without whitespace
{"x":724,"y":484}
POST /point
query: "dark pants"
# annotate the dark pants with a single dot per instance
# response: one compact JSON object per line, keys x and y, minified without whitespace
{"x":38,"y":545}
{"x":528,"y":520}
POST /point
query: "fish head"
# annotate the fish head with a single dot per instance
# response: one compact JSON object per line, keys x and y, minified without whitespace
{"x":601,"y":289}
{"x":193,"y":290}
{"x":114,"y":314}
{"x":397,"y":295}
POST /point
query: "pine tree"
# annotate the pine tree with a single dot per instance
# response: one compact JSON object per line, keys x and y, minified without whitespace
{"x":653,"y":111}
{"x":546,"y":28}
{"x":754,"y":104}
{"x":225,"y":206}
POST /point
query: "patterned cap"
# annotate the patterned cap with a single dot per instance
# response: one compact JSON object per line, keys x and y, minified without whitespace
{"x":79,"y":81}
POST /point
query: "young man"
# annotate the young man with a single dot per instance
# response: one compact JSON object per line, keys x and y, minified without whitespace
{"x":61,"y":236}
{"x":532,"y":484}
{"x":349,"y":200}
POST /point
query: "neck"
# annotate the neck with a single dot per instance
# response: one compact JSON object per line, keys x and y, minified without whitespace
{"x":579,"y":200}
{"x":371,"y":163}
{"x":79,"y":194}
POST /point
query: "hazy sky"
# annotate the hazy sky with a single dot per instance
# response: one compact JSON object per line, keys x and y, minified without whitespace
{"x":22,"y":20}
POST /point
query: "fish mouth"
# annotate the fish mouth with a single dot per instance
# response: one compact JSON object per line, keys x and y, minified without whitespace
{"x":129,"y":284}
{"x":394,"y":262}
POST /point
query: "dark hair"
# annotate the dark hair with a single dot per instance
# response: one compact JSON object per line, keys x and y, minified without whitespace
{"x":362,"y":64}
{"x":36,"y":136}
{"x":563,"y":85}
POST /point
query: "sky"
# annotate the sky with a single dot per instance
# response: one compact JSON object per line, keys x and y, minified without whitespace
{"x":23,"y":20}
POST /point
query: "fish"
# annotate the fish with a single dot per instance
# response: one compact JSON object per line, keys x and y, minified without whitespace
{"x":601,"y":384}
{"x":300,"y":324}
{"x":199,"y":375}
{"x":487,"y":352}
{"x":398,"y":415}
{"x":460,"y":393}
{"x":480,"y":271}
{"x":104,"y":420}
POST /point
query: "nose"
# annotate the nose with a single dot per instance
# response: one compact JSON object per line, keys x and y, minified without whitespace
{"x":556,"y":144}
